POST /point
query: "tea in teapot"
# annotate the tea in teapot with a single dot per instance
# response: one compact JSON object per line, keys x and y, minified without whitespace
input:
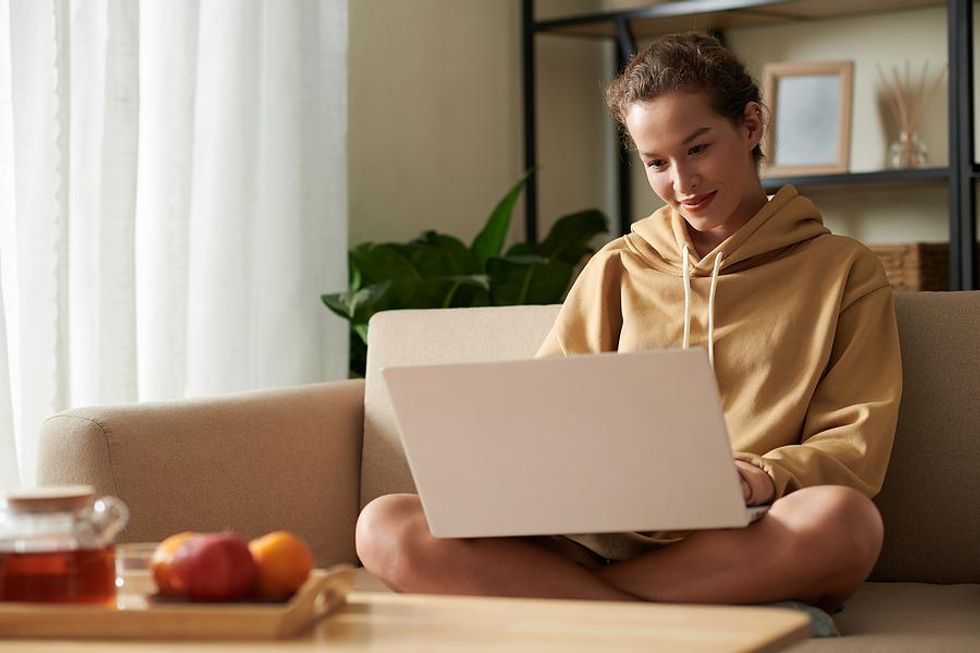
{"x":57,"y":545}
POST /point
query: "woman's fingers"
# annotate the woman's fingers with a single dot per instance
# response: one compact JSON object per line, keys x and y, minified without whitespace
{"x":746,"y":488}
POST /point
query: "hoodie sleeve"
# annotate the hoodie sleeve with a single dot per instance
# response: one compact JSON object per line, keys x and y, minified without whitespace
{"x":590,"y":318}
{"x":850,"y":423}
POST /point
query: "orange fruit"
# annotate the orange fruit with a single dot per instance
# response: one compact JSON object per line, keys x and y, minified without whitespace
{"x":162,"y":558}
{"x":284,"y":562}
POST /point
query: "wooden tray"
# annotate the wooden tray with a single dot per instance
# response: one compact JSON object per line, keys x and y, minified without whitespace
{"x":139,"y":617}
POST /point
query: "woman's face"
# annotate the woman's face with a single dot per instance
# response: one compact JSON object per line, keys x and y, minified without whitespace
{"x":697,"y":161}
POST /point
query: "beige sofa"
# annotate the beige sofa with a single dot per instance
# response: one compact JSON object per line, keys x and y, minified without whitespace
{"x":307,"y":458}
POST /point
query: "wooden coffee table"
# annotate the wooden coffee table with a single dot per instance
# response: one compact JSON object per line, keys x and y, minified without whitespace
{"x":382,"y":621}
{"x":391,"y":622}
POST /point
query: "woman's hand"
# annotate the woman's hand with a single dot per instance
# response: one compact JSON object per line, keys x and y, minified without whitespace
{"x":757,"y":486}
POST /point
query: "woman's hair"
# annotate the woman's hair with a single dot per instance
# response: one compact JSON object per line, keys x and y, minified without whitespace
{"x":689,"y":62}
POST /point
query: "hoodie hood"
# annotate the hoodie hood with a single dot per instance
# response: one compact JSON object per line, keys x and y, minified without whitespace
{"x":785,"y":220}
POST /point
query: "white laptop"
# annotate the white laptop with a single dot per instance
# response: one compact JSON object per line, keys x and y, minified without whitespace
{"x":590,"y":443}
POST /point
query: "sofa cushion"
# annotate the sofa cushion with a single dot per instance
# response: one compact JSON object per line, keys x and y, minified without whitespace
{"x":415,"y":337}
{"x":905,"y":618}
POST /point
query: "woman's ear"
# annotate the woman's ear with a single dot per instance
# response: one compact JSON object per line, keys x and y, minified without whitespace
{"x":752,"y":123}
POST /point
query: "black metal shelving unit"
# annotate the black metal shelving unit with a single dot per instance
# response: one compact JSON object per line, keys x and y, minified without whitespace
{"x":626,"y":27}
{"x":879,"y":177}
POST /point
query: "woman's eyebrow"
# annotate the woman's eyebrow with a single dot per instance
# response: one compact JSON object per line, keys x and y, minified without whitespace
{"x":694,"y":134}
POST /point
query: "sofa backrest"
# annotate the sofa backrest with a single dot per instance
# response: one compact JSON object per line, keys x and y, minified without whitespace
{"x":930,"y":501}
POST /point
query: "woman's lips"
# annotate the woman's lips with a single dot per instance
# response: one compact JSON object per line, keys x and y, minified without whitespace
{"x":703,"y":202}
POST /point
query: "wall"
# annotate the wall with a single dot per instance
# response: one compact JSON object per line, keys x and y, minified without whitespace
{"x":436,"y":127}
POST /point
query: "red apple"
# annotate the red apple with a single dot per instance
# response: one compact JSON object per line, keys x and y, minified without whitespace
{"x":213,"y":567}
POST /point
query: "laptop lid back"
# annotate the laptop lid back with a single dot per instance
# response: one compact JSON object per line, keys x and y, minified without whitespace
{"x":583,"y":444}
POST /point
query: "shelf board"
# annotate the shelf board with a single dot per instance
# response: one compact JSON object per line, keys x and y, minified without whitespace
{"x":858,"y":178}
{"x":666,"y":17}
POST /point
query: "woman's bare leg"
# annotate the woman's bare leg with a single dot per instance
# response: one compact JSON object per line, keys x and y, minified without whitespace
{"x":816,"y":545}
{"x":394,"y":543}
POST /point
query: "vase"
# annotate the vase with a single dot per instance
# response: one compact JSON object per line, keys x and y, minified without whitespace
{"x":908,"y":151}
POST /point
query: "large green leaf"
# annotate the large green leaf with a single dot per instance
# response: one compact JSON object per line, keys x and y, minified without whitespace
{"x":397,"y":294}
{"x":523,"y":249}
{"x":358,"y":305}
{"x":527,"y":280}
{"x":436,"y":255}
{"x":431,"y":255}
{"x":380,"y":262}
{"x":361,"y":330}
{"x":490,"y":241}
{"x":434,"y":293}
{"x":354,"y":273}
{"x":569,"y":237}
{"x":336,"y":303}
{"x":568,"y":240}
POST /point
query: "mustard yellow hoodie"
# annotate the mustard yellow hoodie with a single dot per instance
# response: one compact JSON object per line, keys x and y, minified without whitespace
{"x":803,"y":341}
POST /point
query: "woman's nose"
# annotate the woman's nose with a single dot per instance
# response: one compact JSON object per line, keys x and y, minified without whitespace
{"x":686,"y":180}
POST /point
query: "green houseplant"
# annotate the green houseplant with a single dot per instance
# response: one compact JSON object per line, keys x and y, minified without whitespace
{"x":439,"y":271}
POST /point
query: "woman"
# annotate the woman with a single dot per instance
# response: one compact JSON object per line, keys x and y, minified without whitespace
{"x":800,"y":330}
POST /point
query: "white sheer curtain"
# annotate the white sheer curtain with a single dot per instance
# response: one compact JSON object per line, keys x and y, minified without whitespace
{"x":173,"y":201}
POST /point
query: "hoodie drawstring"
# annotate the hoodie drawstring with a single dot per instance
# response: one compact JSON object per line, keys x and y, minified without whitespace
{"x":711,"y":303}
{"x":711,"y":311}
{"x":687,"y":298}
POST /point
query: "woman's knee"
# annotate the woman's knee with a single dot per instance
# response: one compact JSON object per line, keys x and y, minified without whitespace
{"x":385,"y":531}
{"x":838,"y":521}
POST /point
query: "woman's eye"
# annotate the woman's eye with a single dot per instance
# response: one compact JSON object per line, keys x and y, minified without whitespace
{"x":698,"y":149}
{"x":657,"y":163}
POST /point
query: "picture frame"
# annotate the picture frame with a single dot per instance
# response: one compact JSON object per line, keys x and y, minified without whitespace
{"x":809,"y":130}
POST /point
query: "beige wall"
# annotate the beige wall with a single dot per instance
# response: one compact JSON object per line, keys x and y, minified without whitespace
{"x":436,"y":130}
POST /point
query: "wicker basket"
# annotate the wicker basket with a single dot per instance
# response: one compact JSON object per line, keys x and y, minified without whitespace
{"x":915,"y":266}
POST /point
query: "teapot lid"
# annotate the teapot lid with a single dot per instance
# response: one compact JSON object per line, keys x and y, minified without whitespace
{"x":51,"y":498}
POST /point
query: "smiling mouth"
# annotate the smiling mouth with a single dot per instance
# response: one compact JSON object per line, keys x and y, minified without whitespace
{"x":700,"y":201}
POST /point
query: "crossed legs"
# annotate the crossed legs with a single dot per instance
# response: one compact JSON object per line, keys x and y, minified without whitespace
{"x":815,"y":545}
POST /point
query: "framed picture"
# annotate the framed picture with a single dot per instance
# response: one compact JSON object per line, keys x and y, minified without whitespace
{"x":810,"y":117}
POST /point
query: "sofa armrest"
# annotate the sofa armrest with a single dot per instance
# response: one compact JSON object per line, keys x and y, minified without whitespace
{"x":251,"y":462}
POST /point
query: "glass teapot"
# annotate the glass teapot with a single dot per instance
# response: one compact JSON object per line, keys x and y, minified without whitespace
{"x":57,"y":545}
